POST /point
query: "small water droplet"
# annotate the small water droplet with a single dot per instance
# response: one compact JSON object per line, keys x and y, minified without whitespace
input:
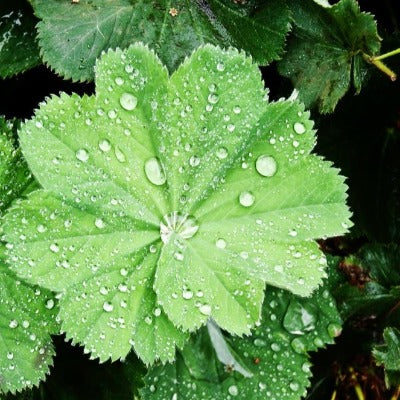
{"x":299,"y":128}
{"x":107,"y":307}
{"x":187,"y":294}
{"x":128,"y":101}
{"x":220,"y":66}
{"x":237,"y":110}
{"x":220,"y":243}
{"x":246,"y":199}
{"x":119,"y":154}
{"x":49,"y":304}
{"x":213,"y":98}
{"x":99,"y":223}
{"x":233,"y":390}
{"x":54,"y":248}
{"x":155,"y":171}
{"x":82,"y":155}
{"x":259,"y":342}
{"x":298,"y":346}
{"x":294,"y":386}
{"x":205,"y":309}
{"x":104,"y":145}
{"x":10,"y":355}
{"x":194,"y":161}
{"x":222,"y":153}
{"x":275,"y":347}
{"x":266,"y":165}
{"x":13,"y":324}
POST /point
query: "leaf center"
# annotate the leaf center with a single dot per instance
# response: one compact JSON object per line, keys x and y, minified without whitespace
{"x":183,"y":225}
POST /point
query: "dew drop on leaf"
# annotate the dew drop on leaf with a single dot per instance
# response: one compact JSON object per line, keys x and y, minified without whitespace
{"x":222,"y":153}
{"x":194,"y":161}
{"x":220,"y":243}
{"x":266,"y":165}
{"x":233,"y":390}
{"x":300,"y":318}
{"x":154,"y":171}
{"x":246,"y":199}
{"x":205,"y":309}
{"x":104,"y":145}
{"x":299,"y":128}
{"x":107,"y":307}
{"x":128,"y":101}
{"x":184,"y":225}
{"x":82,"y":155}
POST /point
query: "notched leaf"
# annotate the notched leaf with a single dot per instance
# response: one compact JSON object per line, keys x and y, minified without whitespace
{"x":170,"y":200}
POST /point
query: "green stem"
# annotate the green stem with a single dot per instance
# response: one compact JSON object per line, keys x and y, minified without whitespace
{"x":359,"y":392}
{"x":381,"y":66}
{"x":396,"y":394}
{"x":386,"y":55}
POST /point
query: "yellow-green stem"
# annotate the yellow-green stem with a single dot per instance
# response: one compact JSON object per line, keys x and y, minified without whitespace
{"x":381,"y":66}
{"x":386,"y":55}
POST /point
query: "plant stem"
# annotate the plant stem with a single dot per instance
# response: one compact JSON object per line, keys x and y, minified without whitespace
{"x":381,"y":66}
{"x":359,"y":392}
{"x":334,"y":395}
{"x":386,"y":55}
{"x":396,"y":394}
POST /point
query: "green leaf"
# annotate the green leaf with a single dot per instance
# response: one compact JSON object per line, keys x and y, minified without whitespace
{"x":72,"y":36}
{"x":169,"y":201}
{"x":388,"y":355}
{"x":272,"y":363}
{"x":18,"y":46}
{"x":379,"y":292}
{"x":325,"y":53}
{"x":14,"y":174}
{"x":27,"y":320}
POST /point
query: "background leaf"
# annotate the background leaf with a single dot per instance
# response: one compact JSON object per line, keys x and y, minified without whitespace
{"x":72,"y":36}
{"x":19,"y":50}
{"x":324,"y":54}
{"x":273,"y":361}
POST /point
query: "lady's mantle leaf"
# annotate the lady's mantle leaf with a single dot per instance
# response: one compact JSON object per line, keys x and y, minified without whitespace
{"x":271,"y":364}
{"x":325,"y":53}
{"x":18,"y":47}
{"x":388,"y":355}
{"x":72,"y":36}
{"x":26,"y":322}
{"x":14,"y":174}
{"x":192,"y":186}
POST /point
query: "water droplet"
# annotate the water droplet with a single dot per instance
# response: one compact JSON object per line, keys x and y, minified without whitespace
{"x":300,"y":318}
{"x":299,"y":128}
{"x":178,"y":255}
{"x":220,"y":66}
{"x":157,"y":312}
{"x":213,"y":98}
{"x":220,"y":243}
{"x":266,"y":165}
{"x":187,"y":294}
{"x":222,"y":153}
{"x":54,"y":248}
{"x":99,"y":223}
{"x":233,"y":390}
{"x":237,"y":110}
{"x":293,"y":233}
{"x":128,"y":101}
{"x":119,"y":154}
{"x":104,"y":145}
{"x":275,"y":347}
{"x":230,"y":127}
{"x":10,"y":356}
{"x":49,"y":304}
{"x":13,"y":324}
{"x":41,"y":228}
{"x":154,"y":171}
{"x":194,"y":161}
{"x":82,"y":155}
{"x":205,"y":309}
{"x":259,"y":342}
{"x":334,"y":330}
{"x":184,"y":225}
{"x":107,"y":307}
{"x":298,"y":346}
{"x":246,"y":199}
{"x":294,"y":386}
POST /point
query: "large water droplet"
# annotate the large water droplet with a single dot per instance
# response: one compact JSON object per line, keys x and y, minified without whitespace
{"x":194,"y":161}
{"x":205,"y":309}
{"x":155,"y":171}
{"x":107,"y":307}
{"x":119,"y":154}
{"x":128,"y":101}
{"x":246,"y":199}
{"x":300,"y":318}
{"x":220,"y":243}
{"x":299,"y":128}
{"x":222,"y":153}
{"x":266,"y":165}
{"x":82,"y":155}
{"x":184,"y":225}
{"x":233,"y":390}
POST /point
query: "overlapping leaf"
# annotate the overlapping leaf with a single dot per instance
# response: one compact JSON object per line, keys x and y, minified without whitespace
{"x":27,"y":313}
{"x":19,"y":50}
{"x":72,"y":36}
{"x":169,"y":201}
{"x":325,"y":53}
{"x":271,"y":364}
